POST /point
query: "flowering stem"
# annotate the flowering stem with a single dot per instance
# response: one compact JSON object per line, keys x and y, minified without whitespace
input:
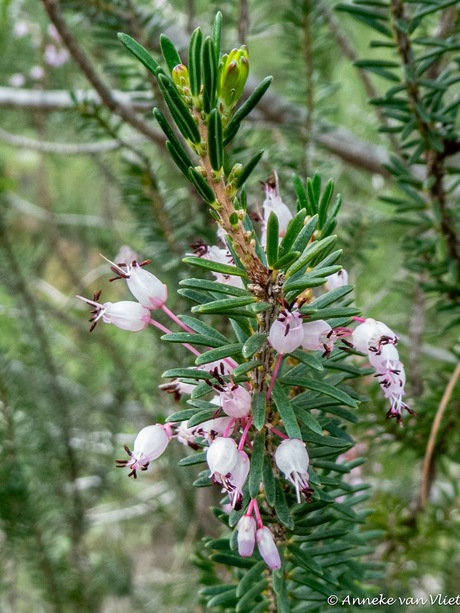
{"x":163,"y":328}
{"x":176,"y":320}
{"x":278,"y":433}
{"x":260,"y":523}
{"x":279,"y":359}
{"x":245,"y":434}
{"x":228,"y":429}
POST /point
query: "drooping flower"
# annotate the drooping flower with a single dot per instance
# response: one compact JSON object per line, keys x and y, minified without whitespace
{"x":286,"y":333}
{"x":177,"y":388}
{"x":292,"y":459}
{"x":371,"y":335}
{"x":246,"y":527}
{"x":274,"y":203}
{"x":267,"y":548}
{"x":148,"y":446}
{"x":235,"y":400}
{"x":143,"y":285}
{"x":126,"y":314}
{"x":317,"y":335}
{"x":337,"y":280}
{"x":229,"y":467}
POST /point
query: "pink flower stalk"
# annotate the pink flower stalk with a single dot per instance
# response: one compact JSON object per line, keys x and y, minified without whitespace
{"x":267,"y":548}
{"x":126,"y":314}
{"x":273,"y":203}
{"x":337,"y":280}
{"x":246,"y":536}
{"x":292,"y":459}
{"x":149,"y":444}
{"x":286,"y":333}
{"x":143,"y":285}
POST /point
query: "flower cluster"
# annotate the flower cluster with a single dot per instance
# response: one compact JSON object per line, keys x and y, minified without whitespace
{"x":378,"y":342}
{"x":227,"y":430}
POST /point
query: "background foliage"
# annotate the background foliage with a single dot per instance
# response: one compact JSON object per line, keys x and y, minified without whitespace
{"x":82,"y":177}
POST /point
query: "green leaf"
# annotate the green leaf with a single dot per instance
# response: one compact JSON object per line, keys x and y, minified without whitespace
{"x":250,"y":595}
{"x":178,"y":109}
{"x":194,"y":61}
{"x":140,"y":53}
{"x":252,"y":576}
{"x":201,"y":186}
{"x":325,"y":202}
{"x":195,"y":339}
{"x":196,"y":458}
{"x":253,"y":344}
{"x":302,"y":200}
{"x":304,"y":559}
{"x":286,"y":411}
{"x":329,"y":297}
{"x":215,"y":146}
{"x":303,"y":282}
{"x":257,"y":463}
{"x":280,"y":589}
{"x":218,"y":354}
{"x":230,"y":560}
{"x":215,"y":286}
{"x":177,"y":158}
{"x":223,"y":305}
{"x":281,"y":507}
{"x":269,"y":481}
{"x":201,"y":417}
{"x":181,"y":415}
{"x":174,"y":141}
{"x":312,"y":360}
{"x":227,"y":597}
{"x":259,"y":408}
{"x":224,"y":269}
{"x":169,"y":51}
{"x":209,"y":64}
{"x":293,"y":229}
{"x":311,"y":252}
{"x":217,"y":34}
{"x":244,"y":110}
{"x":323,"y":388}
{"x":247,"y":170}
{"x":286,"y":260}
{"x":308,"y":420}
{"x":185,"y":373}
{"x":271,"y":248}
{"x":242,"y":369}
{"x":202,"y":328}
{"x":305,"y":234}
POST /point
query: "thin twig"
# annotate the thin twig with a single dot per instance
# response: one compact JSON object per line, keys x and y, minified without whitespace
{"x":429,"y":453}
{"x":83,"y":61}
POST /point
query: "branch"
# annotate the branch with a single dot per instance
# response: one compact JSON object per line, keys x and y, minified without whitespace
{"x":429,"y":459}
{"x":83,"y":61}
{"x":23,"y":142}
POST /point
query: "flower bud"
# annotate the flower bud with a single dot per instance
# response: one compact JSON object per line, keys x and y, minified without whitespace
{"x":246,"y":536}
{"x":127,"y":315}
{"x":292,"y":459}
{"x":267,"y":548}
{"x":147,"y":288}
{"x":337,"y":280}
{"x":180,"y":76}
{"x":236,"y":402}
{"x":232,"y":75}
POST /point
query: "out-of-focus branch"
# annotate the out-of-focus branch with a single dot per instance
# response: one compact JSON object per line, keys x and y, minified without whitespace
{"x":83,"y":61}
{"x":59,"y":100}
{"x":23,"y":142}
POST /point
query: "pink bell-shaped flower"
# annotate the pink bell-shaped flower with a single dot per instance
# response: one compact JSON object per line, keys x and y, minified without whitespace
{"x":235,"y":401}
{"x":246,"y":536}
{"x":148,"y":446}
{"x":274,"y":203}
{"x":317,"y":335}
{"x":371,"y":335}
{"x":126,"y":314}
{"x":337,"y":280}
{"x":222,"y":456}
{"x":267,"y":548}
{"x":143,"y":285}
{"x":286,"y":333}
{"x":292,"y":459}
